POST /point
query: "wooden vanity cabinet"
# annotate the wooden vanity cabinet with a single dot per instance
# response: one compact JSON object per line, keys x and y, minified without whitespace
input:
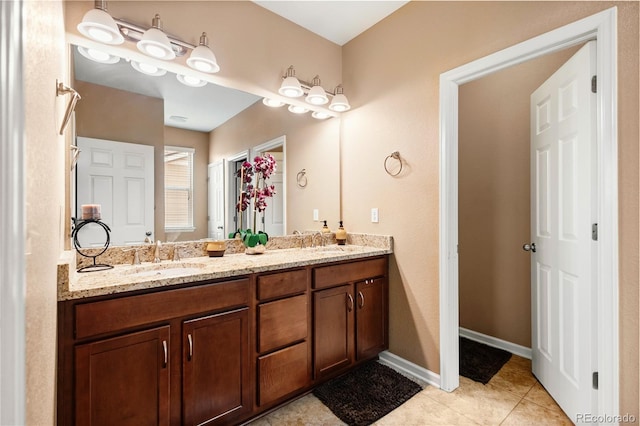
{"x":123,"y":380}
{"x":179,"y":356}
{"x":283,"y":358}
{"x":350,"y":314}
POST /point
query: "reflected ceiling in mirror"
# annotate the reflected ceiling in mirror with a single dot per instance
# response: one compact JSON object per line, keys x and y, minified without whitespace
{"x":194,"y":108}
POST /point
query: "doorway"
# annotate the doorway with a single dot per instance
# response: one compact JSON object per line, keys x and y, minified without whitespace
{"x":600,"y":27}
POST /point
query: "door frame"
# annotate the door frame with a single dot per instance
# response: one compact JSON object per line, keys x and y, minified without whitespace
{"x":601,"y":27}
{"x":230,"y":205}
{"x":12,"y":217}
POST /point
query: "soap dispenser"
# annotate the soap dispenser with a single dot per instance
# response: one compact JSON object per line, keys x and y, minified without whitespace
{"x":325,"y":228}
{"x":341,"y":235}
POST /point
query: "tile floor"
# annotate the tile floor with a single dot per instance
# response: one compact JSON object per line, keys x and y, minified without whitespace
{"x":512,"y":397}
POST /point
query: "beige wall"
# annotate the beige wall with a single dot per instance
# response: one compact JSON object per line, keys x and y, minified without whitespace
{"x":200,"y":142}
{"x":310,"y":144}
{"x":392,"y":73}
{"x":494,"y":201}
{"x":44,"y":62}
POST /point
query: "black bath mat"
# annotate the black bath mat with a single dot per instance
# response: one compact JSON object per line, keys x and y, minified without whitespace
{"x":480,"y":362}
{"x":366,"y":394}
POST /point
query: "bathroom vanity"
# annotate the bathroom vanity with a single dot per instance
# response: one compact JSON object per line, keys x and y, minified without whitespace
{"x":222,"y":340}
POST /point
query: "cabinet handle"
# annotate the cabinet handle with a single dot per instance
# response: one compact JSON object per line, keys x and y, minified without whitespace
{"x":190,"y":339}
{"x":350,"y":306}
{"x":361,"y":296}
{"x":166,"y":354}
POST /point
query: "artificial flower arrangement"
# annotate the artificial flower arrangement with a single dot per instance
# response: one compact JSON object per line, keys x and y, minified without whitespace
{"x":262,"y":168}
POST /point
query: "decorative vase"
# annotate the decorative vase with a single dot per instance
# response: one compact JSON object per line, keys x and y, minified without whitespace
{"x":258,"y":249}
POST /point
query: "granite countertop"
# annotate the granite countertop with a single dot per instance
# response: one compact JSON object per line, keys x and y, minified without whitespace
{"x":123,"y":278}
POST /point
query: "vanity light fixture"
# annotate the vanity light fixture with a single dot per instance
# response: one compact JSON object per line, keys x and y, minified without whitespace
{"x":98,"y":55}
{"x":339,"y":103}
{"x":319,"y":115}
{"x":290,"y":86}
{"x":273,"y":103}
{"x":202,"y":57}
{"x":297,"y":109}
{"x":148,"y":69}
{"x":155,"y":43}
{"x":189,"y":80}
{"x":98,"y":25}
{"x":316,"y":95}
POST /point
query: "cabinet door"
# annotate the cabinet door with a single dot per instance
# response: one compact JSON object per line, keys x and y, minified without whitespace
{"x":333,"y":329}
{"x":216,"y":380}
{"x":124,"y":380}
{"x":371,"y":333}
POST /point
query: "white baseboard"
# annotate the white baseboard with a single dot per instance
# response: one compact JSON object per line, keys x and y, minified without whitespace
{"x":515,"y":349}
{"x":410,"y":369}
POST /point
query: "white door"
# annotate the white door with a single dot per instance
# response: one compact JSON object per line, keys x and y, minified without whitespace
{"x":274,"y":214}
{"x":216,"y":200}
{"x":563,"y":210}
{"x":119,"y":177}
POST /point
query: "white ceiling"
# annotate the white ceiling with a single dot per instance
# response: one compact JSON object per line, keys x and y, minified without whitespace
{"x":337,"y":21}
{"x":205,"y":108}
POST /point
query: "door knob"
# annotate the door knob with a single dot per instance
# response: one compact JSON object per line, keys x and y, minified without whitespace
{"x":529,"y":247}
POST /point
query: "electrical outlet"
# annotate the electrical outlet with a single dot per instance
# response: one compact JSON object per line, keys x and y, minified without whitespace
{"x":316,"y":215}
{"x":374,"y":215}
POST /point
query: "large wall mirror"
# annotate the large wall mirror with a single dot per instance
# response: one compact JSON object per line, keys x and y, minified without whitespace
{"x":210,"y":129}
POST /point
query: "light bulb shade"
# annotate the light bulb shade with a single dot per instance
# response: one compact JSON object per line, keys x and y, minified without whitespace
{"x":190,"y":80}
{"x":273,"y":103}
{"x":98,"y":55}
{"x":339,"y":103}
{"x":156,"y":43}
{"x":319,"y":115}
{"x":148,"y":69}
{"x":317,"y":96}
{"x":297,"y":109}
{"x":203,"y":59}
{"x":98,"y":25}
{"x":291,"y":88}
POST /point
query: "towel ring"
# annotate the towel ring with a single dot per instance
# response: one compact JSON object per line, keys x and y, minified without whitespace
{"x":395,"y":155}
{"x":301,"y":178}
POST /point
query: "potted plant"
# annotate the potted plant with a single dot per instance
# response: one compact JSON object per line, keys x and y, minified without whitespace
{"x":254,"y":190}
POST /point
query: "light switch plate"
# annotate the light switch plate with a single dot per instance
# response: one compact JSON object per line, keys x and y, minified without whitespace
{"x":374,"y":215}
{"x":316,"y":215}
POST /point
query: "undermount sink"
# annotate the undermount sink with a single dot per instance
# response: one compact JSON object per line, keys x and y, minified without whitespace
{"x":166,"y":270}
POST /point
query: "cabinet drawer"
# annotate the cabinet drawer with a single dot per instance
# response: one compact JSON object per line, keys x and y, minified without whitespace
{"x":282,"y":322}
{"x":281,"y":284}
{"x":327,"y":276}
{"x":130,"y":311}
{"x":282,"y":372}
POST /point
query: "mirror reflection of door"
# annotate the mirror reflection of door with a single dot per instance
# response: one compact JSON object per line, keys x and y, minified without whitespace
{"x":273,"y":217}
{"x":240,"y":218}
{"x":119,"y":177}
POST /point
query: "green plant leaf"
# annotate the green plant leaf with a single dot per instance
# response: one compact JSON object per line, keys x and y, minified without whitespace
{"x":252,"y":240}
{"x":263,"y":238}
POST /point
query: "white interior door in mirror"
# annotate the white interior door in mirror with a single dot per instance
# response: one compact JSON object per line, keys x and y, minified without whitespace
{"x":274,"y":214}
{"x":119,"y":177}
{"x":216,"y":200}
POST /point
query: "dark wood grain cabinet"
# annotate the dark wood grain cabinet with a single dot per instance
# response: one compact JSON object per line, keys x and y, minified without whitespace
{"x":215,"y":367}
{"x":217,"y":352}
{"x":283,"y":358}
{"x":350,"y":314}
{"x":123,"y":380}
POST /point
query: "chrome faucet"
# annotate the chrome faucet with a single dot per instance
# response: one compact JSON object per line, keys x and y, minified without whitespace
{"x":313,"y":238}
{"x":136,"y":255}
{"x":296,"y":232}
{"x":156,"y":253}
